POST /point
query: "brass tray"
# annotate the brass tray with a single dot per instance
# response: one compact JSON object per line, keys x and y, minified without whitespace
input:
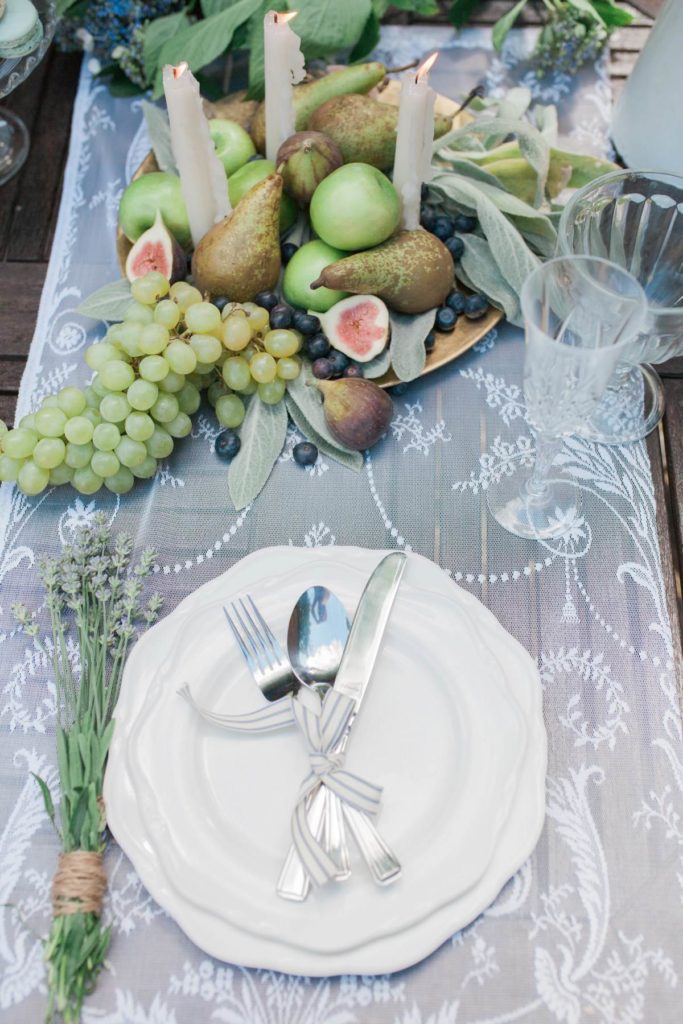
{"x":448,"y":346}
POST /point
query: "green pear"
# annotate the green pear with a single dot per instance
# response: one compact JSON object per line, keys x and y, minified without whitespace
{"x":240,"y":256}
{"x":412,"y":272}
{"x":365,"y":129}
{"x":309,"y":95}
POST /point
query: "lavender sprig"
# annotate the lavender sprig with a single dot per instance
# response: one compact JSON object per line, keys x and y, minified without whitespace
{"x":94,"y":593}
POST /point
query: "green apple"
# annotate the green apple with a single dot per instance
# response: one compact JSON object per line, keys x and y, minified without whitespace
{"x":147,"y":194}
{"x":233,"y":145}
{"x":305,"y":266}
{"x":355,"y":207}
{"x":243,"y":180}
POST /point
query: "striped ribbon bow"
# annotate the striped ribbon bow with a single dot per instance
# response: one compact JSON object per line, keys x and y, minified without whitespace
{"x":323,"y":724}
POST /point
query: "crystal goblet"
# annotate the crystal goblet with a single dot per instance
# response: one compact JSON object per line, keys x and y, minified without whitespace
{"x":580,"y":314}
{"x":14,"y":135}
{"x":635,"y":219}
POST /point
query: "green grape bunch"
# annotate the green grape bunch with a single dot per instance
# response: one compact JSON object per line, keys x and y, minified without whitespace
{"x":149,"y":372}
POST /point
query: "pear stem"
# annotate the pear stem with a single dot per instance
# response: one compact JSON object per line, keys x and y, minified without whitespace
{"x":403,"y":67}
{"x":473,"y":94}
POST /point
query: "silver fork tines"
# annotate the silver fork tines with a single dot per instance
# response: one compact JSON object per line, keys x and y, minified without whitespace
{"x":263,"y":654}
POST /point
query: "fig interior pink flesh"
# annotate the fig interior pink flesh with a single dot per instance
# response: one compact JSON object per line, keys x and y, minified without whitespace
{"x":357,"y":327}
{"x":153,"y":257}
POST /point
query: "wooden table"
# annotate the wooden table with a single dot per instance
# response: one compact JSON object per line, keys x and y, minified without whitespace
{"x":28,"y":212}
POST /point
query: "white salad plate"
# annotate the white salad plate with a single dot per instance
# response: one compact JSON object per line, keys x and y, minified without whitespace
{"x":224,"y":801}
{"x":451,"y":728}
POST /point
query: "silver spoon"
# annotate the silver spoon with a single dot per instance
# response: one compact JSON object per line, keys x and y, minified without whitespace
{"x":316,"y":637}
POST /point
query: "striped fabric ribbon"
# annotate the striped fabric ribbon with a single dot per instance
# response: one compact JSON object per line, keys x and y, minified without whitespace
{"x":323,"y":724}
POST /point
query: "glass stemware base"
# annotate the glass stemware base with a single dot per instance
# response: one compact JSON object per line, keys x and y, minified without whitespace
{"x":630,"y":408}
{"x":535,"y":512}
{"x":14,"y":144}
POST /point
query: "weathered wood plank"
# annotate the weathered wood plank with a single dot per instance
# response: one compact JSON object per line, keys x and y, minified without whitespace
{"x":38,"y":192}
{"x":20,"y":287}
{"x":668,"y":504}
{"x":11,"y":371}
{"x":7,"y":406}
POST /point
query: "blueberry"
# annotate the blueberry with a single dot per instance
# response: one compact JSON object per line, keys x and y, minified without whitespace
{"x":317,"y":347}
{"x":338,"y":361}
{"x":280,"y":316}
{"x":424,"y":191}
{"x":227,"y":444}
{"x":463,"y":223}
{"x":287,"y":250}
{"x":445,"y":319}
{"x":353,"y":370}
{"x":443,"y":228}
{"x":475,"y":306}
{"x":305,"y":453}
{"x":427,"y":217}
{"x":220,"y":302}
{"x":305,"y":323}
{"x":455,"y":246}
{"x":399,"y":389}
{"x":268,"y":300}
{"x":322,"y":369}
{"x":430,"y":341}
{"x":456,"y":300}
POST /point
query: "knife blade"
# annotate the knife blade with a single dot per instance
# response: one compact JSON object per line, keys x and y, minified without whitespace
{"x":367,"y":629}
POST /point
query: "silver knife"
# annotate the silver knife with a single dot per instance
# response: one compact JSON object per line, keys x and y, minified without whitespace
{"x":353,"y":676}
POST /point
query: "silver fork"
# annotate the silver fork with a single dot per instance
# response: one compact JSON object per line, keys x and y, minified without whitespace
{"x":273,"y":675}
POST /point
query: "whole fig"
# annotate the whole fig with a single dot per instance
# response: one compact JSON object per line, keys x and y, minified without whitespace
{"x":357,"y":411}
{"x":304,"y":160}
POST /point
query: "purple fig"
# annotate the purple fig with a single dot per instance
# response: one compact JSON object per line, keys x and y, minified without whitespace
{"x":156,"y":249}
{"x":357,"y":411}
{"x":304,"y":160}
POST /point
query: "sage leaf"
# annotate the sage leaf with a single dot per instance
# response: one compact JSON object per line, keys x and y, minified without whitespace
{"x":533,"y":145}
{"x":515,"y":103}
{"x":408,"y":333}
{"x":305,"y":398}
{"x":205,"y":40}
{"x":483,"y":275}
{"x":352,"y":460}
{"x":110,"y":302}
{"x":159,"y":131}
{"x":504,"y":24}
{"x":514,"y":258}
{"x":378,"y":366}
{"x":546,"y":122}
{"x":328,"y":26}
{"x":462,"y":165}
{"x":263,"y":435}
{"x":156,"y":33}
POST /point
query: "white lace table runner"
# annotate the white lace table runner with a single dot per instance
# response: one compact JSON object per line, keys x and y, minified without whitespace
{"x":590,"y":928}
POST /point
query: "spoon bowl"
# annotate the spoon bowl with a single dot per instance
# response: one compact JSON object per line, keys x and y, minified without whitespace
{"x":316,"y":637}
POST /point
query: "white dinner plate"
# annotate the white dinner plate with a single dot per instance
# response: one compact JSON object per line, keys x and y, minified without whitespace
{"x":403,"y":946}
{"x":429,"y":724}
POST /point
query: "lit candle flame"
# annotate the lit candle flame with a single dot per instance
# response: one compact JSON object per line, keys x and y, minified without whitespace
{"x":180,"y":69}
{"x":283,"y":17}
{"x":425,"y":68}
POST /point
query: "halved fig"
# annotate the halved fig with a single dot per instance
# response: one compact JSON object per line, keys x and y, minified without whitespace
{"x":357,"y":326}
{"x":156,"y":249}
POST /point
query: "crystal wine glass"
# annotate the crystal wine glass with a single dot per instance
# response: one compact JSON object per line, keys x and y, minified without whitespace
{"x":581,"y":314}
{"x":14,"y":136}
{"x":634,"y":218}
